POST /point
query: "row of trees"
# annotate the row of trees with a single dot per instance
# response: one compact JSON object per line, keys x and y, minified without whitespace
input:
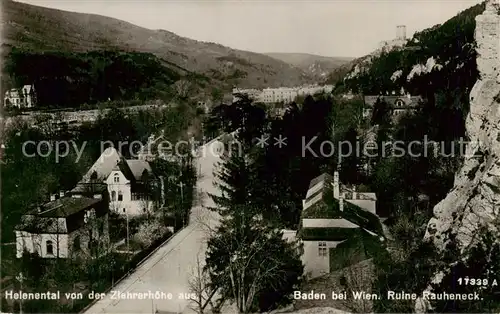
{"x":239,"y":269}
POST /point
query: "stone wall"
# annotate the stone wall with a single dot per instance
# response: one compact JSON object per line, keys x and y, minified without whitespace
{"x":78,"y":116}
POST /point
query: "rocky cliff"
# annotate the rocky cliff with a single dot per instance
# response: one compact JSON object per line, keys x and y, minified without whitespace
{"x":474,"y":201}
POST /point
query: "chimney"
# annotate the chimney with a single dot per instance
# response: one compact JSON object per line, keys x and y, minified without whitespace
{"x":336,"y":185}
{"x":52,"y":197}
{"x":354,"y":194}
{"x":341,"y":203}
{"x":61,"y":194}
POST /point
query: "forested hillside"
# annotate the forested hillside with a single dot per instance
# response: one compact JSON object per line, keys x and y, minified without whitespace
{"x":71,"y":79}
{"x":44,"y":29}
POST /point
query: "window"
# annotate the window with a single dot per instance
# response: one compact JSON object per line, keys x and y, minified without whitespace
{"x":322,"y":251}
{"x":76,"y":244}
{"x":113,"y":195}
{"x":116,"y":178}
{"x":50,"y":247}
{"x":399,"y":103}
{"x":120,"y":196}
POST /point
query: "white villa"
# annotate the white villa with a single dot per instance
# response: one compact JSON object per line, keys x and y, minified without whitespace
{"x":398,"y":104}
{"x":64,"y":227}
{"x":25,"y":97}
{"x":334,"y":215}
{"x":126,"y":182}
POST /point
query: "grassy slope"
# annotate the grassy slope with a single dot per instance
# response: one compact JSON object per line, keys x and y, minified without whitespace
{"x":42,"y":29}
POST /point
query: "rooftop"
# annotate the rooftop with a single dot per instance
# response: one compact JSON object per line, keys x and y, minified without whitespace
{"x":325,"y":177}
{"x":137,"y":167}
{"x":392,"y":100}
{"x":322,"y":205}
{"x":103,"y":166}
{"x":64,"y":207}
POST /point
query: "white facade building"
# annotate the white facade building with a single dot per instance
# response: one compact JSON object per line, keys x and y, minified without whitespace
{"x":127,"y":182}
{"x":25,"y":97}
{"x":281,"y":94}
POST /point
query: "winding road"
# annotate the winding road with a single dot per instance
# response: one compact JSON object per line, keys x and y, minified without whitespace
{"x":169,"y":269}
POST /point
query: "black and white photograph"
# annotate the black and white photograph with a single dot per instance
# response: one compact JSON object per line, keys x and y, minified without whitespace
{"x":250,"y":156}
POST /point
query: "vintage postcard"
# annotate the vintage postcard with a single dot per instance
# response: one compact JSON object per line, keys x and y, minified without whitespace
{"x":250,"y":156}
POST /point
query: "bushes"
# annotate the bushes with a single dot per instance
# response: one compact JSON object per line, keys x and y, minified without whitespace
{"x":149,"y":232}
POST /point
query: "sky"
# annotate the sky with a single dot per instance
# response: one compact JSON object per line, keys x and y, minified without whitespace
{"x":342,"y":28}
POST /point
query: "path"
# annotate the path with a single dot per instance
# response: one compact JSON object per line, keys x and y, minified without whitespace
{"x":171,"y":267}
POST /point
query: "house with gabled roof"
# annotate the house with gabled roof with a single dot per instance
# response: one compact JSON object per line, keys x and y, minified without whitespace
{"x":130,"y":184}
{"x":64,"y":227}
{"x":24,"y":97}
{"x":398,"y":104}
{"x":334,"y":216}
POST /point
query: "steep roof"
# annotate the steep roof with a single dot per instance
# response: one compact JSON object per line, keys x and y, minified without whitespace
{"x":103,"y":166}
{"x":61,"y":216}
{"x":325,"y":177}
{"x":66,"y":206}
{"x":110,"y":160}
{"x":137,"y":167}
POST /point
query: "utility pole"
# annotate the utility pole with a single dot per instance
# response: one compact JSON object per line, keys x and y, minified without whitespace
{"x":20,"y":278}
{"x":113,"y":263}
{"x":128,"y":243}
{"x":181,"y":184}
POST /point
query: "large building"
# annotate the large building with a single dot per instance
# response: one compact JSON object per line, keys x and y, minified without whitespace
{"x":25,"y":97}
{"x":129,"y":183}
{"x":281,"y":94}
{"x":64,"y":227}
